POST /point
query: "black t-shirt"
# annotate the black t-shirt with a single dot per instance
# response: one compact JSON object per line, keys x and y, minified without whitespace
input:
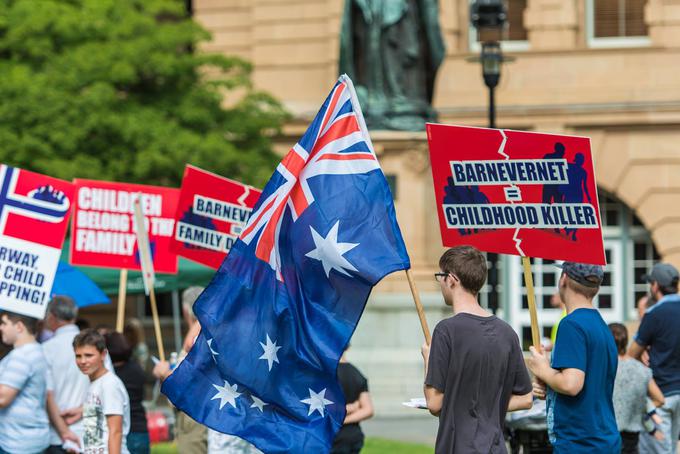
{"x":353,"y":384}
{"x":132,"y":376}
{"x":478,"y":364}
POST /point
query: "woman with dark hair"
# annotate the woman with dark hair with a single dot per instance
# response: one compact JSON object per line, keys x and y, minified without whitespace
{"x":132,"y":376}
{"x":633,"y":384}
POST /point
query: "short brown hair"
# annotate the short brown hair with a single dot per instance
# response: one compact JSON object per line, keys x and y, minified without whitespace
{"x":467,"y":264}
{"x":91,"y":337}
{"x":30,"y":323}
{"x":620,"y":333}
{"x":588,"y":292}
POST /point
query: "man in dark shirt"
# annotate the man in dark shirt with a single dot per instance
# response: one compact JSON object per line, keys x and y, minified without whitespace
{"x":350,"y":438}
{"x":660,"y":332}
{"x":580,"y":378}
{"x":474,"y":369}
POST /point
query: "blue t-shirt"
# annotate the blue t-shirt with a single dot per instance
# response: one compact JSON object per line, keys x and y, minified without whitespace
{"x":585,"y":423}
{"x":660,"y":331}
{"x":24,"y":427}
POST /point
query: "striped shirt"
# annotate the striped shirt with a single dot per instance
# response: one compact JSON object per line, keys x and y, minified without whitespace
{"x":24,"y":427}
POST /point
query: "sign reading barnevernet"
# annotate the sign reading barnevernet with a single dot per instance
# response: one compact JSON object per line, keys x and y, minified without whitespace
{"x":103,"y":228}
{"x":514,"y":192}
{"x":211,"y":213}
{"x":34,"y":213}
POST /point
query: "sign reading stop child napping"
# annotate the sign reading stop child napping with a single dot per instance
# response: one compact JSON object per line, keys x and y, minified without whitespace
{"x":103,"y":228}
{"x":515,"y":192}
{"x":34,"y":212}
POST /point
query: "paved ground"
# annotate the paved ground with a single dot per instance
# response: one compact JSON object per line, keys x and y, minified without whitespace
{"x":416,"y":429}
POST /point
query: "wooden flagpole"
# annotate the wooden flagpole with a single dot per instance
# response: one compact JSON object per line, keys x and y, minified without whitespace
{"x":529,"y":282}
{"x":122,"y":291}
{"x":419,"y":306}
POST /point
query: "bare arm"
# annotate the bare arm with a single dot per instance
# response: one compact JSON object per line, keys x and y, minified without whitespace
{"x":566,"y":381}
{"x":58,"y":422}
{"x":655,"y":394}
{"x":433,"y":397}
{"x":364,"y":411}
{"x":635,"y":350}
{"x":7,"y":395}
{"x":520,"y":402}
{"x":115,"y":425}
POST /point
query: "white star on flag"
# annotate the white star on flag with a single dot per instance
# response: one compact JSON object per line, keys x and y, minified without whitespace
{"x":316,"y":401}
{"x":330,"y":252}
{"x":226,"y":393}
{"x":258,"y":403}
{"x":270,"y":350}
{"x":212,"y":352}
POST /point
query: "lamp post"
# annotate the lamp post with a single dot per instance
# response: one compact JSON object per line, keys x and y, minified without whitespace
{"x":489,"y":18}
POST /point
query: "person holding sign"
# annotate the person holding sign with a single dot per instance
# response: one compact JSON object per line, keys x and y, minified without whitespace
{"x":474,"y":369}
{"x":580,"y":380}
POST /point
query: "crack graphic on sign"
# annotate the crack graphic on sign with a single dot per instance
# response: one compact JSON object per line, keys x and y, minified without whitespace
{"x":242,"y":199}
{"x":514,"y":189}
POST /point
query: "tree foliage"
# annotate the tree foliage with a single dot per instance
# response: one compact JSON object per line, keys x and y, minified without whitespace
{"x":112,"y":89}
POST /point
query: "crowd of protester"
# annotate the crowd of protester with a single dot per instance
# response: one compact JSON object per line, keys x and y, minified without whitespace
{"x":65,"y":387}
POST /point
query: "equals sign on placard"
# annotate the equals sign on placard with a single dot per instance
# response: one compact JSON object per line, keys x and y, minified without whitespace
{"x":513,"y":194}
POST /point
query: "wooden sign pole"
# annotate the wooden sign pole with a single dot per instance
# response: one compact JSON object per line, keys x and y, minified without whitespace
{"x":529,"y":282}
{"x":122,"y":290}
{"x":156,"y":324}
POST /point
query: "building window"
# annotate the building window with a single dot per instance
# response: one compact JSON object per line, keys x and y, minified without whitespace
{"x":612,"y":23}
{"x":515,"y":36}
{"x":392,"y":183}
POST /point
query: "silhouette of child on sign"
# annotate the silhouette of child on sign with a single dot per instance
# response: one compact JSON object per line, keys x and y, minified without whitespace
{"x":551,"y":192}
{"x":577,"y":187}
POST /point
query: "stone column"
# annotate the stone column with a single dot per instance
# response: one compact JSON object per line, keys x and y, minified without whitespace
{"x":552,"y":24}
{"x":663,"y":20}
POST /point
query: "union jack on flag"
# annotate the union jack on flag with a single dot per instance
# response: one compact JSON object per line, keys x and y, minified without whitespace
{"x":334,"y":144}
{"x":281,"y":309}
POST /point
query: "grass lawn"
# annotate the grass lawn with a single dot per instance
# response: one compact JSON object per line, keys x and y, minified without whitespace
{"x":372,"y":446}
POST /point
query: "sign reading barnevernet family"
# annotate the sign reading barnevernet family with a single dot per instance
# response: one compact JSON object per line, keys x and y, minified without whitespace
{"x":211,"y":213}
{"x":103,"y":228}
{"x":515,"y":192}
{"x":34,"y":213}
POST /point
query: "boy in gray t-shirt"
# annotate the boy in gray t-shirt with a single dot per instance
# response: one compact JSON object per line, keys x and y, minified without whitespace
{"x":474,"y":369}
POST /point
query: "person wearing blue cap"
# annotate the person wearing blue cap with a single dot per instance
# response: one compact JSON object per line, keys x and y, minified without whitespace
{"x":580,"y":380}
{"x":660,"y":333}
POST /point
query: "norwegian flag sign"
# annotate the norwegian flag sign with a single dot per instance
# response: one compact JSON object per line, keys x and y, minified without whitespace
{"x":515,"y":192}
{"x":34,"y":211}
{"x":103,"y":228}
{"x":211,"y":213}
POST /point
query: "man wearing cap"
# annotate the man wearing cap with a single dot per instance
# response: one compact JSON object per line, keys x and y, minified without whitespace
{"x":660,"y":332}
{"x":580,"y":380}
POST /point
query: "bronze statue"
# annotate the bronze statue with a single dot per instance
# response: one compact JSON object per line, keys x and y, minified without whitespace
{"x":392,"y":49}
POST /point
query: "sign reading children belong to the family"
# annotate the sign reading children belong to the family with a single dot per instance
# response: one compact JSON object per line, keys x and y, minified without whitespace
{"x":514,"y":192}
{"x":34,"y":211}
{"x":211,"y":213}
{"x":103,"y":228}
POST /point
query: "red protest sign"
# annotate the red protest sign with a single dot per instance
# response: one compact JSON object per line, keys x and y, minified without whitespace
{"x":211,"y":213}
{"x":102,"y":232}
{"x":34,"y":211}
{"x":515,"y":192}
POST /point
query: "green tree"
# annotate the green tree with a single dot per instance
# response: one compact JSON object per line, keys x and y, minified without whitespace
{"x":112,"y":89}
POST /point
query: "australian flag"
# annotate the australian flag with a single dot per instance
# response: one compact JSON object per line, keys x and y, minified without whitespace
{"x":282,"y":307}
